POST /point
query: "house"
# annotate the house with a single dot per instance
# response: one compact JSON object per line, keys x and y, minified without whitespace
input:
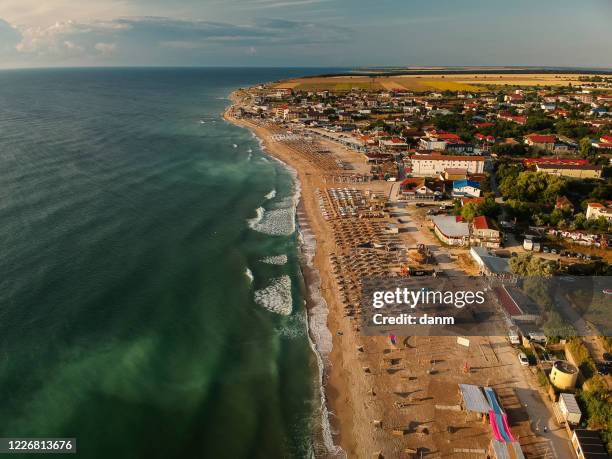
{"x":571,"y":171}
{"x":484,"y":233}
{"x":563,"y":203}
{"x":540,"y":142}
{"x":588,"y":445}
{"x":416,"y":188}
{"x":522,"y":120}
{"x":434,"y":164}
{"x":484,"y":138}
{"x":432,"y":144}
{"x":451,"y":230}
{"x":596,"y":210}
{"x":393,"y":143}
{"x":466,"y":188}
{"x":604,"y":142}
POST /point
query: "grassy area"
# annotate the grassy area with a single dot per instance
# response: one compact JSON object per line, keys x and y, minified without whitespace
{"x":427,"y":83}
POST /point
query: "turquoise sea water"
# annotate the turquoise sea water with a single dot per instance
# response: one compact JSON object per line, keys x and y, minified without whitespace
{"x":128,"y":231}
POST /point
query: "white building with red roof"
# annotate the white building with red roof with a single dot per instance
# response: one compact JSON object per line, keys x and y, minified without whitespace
{"x":596,"y":210}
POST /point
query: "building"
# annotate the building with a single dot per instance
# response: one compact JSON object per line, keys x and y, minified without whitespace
{"x":588,"y":445}
{"x":451,"y":230}
{"x":596,"y":210}
{"x":484,"y":233}
{"x":432,"y":165}
{"x":467,"y":188}
{"x":571,"y":171}
{"x":563,"y":375}
{"x":454,"y":174}
{"x":522,"y":120}
{"x":490,"y":264}
{"x":604,"y":142}
{"x":432,"y":144}
{"x":540,"y":142}
{"x":568,"y":406}
{"x":562,"y":203}
{"x":416,"y":188}
{"x":517,"y":306}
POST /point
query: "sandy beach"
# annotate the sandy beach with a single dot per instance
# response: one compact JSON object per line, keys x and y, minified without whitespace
{"x":391,"y":400}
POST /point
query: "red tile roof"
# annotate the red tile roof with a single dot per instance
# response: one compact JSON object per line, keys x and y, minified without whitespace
{"x":537,"y":138}
{"x":481,"y":222}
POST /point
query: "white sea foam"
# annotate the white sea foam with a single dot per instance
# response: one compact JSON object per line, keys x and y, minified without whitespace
{"x":275,"y":260}
{"x":257,"y":218}
{"x":319,"y":337}
{"x":248,"y":273}
{"x":270,"y":195}
{"x":276,"y":297}
{"x":275,"y":222}
{"x":294,"y":326}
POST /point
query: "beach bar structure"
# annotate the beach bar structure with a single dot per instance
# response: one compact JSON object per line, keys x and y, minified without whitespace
{"x":473,"y":400}
{"x":501,"y":450}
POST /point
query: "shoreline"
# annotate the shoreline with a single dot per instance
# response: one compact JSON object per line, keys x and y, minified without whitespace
{"x":317,"y":310}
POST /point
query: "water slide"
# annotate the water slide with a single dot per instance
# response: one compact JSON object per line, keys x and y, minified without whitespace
{"x":498,"y":419}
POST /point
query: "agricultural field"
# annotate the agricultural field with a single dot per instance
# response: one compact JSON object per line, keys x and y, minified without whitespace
{"x":424,"y":83}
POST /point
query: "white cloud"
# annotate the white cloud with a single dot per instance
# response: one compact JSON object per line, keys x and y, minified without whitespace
{"x":106,"y":49}
{"x":148,"y":39}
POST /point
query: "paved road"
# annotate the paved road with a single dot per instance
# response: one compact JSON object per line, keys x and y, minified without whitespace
{"x":540,"y":413}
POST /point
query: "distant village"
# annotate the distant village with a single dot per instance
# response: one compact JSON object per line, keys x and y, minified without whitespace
{"x":533,"y":164}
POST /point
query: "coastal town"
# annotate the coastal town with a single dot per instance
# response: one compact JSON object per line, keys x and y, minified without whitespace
{"x":479,"y":184}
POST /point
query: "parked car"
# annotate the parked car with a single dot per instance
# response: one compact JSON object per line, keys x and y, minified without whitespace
{"x":523,"y":359}
{"x":554,"y":251}
{"x":545,"y":249}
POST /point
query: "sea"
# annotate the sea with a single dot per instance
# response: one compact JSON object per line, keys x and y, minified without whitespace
{"x":152,"y":303}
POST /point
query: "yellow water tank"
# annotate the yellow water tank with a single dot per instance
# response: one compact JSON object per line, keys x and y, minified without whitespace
{"x":563,"y":375}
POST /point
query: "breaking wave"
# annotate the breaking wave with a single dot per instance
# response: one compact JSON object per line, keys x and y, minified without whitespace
{"x":270,"y":195}
{"x":275,"y":260}
{"x":257,"y":218}
{"x":248,"y":273}
{"x":276,"y":297}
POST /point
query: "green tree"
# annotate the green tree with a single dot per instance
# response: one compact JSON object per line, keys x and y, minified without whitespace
{"x":527,"y":265}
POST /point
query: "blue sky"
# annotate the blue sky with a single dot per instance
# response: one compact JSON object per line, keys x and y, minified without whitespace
{"x":342,"y":33}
